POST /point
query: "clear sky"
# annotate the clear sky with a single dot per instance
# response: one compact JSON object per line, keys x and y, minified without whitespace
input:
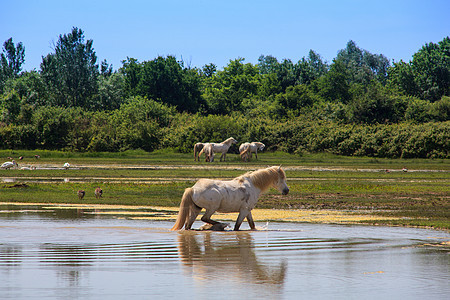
{"x":215,"y":31}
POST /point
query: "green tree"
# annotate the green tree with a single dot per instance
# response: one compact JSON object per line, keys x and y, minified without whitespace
{"x":71,"y":73}
{"x":163,"y":79}
{"x":401,"y":76}
{"x":11,"y":61}
{"x":431,"y":68}
{"x":334,"y":86}
{"x":111,"y":91}
{"x":295,"y":98}
{"x":362,"y":65}
{"x":131,"y":70}
{"x":228,"y":88}
{"x":310,"y":68}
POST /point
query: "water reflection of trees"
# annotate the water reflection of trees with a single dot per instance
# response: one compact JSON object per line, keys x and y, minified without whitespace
{"x":223,"y":255}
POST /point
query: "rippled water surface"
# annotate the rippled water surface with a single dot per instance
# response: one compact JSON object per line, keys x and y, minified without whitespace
{"x":72,"y":255}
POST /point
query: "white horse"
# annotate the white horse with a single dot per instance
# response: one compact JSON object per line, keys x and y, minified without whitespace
{"x":254,"y":147}
{"x":209,"y":152}
{"x":223,"y":147}
{"x":238,"y":195}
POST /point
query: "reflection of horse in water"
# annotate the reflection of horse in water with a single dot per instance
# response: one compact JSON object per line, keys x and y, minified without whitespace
{"x":232,"y":254}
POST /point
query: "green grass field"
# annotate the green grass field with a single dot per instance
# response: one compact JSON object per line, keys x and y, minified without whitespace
{"x":420,"y":197}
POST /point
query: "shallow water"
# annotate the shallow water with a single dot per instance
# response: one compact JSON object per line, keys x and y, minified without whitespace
{"x":68,"y":254}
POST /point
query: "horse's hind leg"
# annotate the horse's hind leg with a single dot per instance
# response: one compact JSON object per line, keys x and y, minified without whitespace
{"x":207,"y":217}
{"x":195,"y":210}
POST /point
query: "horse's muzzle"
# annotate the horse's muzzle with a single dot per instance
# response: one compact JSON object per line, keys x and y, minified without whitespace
{"x":285,"y":191}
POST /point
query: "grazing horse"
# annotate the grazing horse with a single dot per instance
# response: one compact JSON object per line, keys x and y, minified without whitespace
{"x":223,"y":147}
{"x":254,"y":147}
{"x":246,"y":154}
{"x":238,"y":195}
{"x":98,"y":193}
{"x":197,"y":148}
{"x":209,"y":152}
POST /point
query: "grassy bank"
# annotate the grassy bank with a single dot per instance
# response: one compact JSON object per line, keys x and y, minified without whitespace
{"x":419,"y":197}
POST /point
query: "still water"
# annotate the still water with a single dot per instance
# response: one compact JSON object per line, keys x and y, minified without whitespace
{"x":48,"y":254}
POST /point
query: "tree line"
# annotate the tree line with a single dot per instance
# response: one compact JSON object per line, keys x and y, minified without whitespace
{"x":75,"y":103}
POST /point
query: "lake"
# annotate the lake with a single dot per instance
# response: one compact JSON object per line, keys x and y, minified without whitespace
{"x":71,"y":254}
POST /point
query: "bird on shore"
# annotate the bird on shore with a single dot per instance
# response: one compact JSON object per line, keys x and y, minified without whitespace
{"x":9,"y":164}
{"x":98,"y":193}
{"x":66,"y":165}
{"x":81,"y":194}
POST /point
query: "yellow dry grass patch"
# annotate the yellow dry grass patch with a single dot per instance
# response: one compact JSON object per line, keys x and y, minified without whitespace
{"x":169,"y":213}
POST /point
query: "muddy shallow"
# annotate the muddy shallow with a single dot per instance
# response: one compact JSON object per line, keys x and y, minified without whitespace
{"x":69,"y":254}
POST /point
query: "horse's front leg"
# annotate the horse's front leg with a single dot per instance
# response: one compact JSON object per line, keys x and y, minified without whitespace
{"x":242,"y":215}
{"x":222,"y":156}
{"x":250,"y":221}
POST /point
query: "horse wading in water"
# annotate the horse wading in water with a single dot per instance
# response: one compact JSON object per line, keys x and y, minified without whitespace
{"x":238,"y":195}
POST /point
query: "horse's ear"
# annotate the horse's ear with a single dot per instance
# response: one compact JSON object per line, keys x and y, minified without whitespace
{"x":279,"y":168}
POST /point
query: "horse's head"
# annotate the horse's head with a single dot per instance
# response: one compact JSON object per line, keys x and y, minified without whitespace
{"x":280,"y":184}
{"x":261,"y":146}
{"x":233,"y":141}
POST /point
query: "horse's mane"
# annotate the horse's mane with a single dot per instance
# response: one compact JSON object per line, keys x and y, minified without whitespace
{"x":228,"y":140}
{"x":263,"y":178}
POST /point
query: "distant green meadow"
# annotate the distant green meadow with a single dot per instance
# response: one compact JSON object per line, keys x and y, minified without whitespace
{"x":419,"y":196}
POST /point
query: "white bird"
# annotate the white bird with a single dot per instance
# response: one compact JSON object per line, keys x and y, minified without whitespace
{"x":9,"y":164}
{"x":28,"y":168}
{"x":66,"y":165}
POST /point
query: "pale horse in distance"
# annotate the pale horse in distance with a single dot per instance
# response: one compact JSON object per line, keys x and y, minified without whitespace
{"x":223,"y":147}
{"x":209,"y":152}
{"x":237,"y":195}
{"x":254,"y":147}
{"x":217,"y":147}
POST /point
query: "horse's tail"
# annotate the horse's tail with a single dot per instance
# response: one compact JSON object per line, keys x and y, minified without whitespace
{"x":201,"y":152}
{"x":195,"y":152}
{"x":185,"y":207}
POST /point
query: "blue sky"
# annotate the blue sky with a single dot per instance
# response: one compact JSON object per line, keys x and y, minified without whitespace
{"x":215,"y":31}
